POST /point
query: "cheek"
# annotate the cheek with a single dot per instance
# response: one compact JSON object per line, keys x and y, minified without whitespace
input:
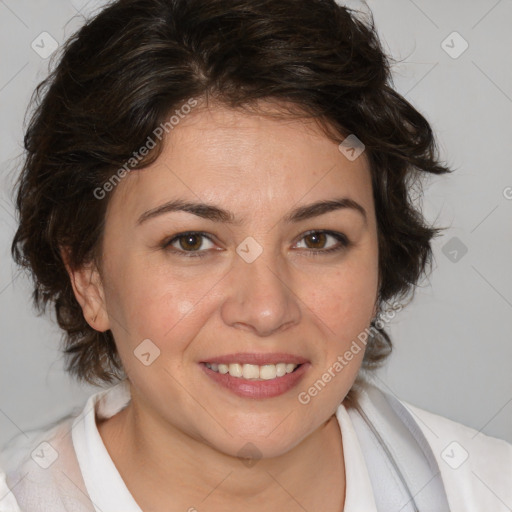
{"x":147,"y":301}
{"x":158,"y":312}
{"x":345,"y":300}
{"x":141,"y":302}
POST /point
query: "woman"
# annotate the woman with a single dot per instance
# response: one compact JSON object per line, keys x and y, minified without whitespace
{"x":215,"y":199}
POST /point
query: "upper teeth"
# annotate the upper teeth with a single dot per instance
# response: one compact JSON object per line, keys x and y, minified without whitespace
{"x":253,"y":371}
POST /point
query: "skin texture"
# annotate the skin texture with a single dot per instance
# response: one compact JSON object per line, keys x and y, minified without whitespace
{"x":176,"y":443}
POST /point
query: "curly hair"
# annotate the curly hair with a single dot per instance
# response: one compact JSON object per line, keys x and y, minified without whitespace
{"x":121,"y":74}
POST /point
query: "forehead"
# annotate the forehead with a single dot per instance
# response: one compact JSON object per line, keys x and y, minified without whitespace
{"x":242,"y":160}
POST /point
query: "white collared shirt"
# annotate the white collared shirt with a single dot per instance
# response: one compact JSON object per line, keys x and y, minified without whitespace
{"x":109,"y":493}
{"x":98,"y":477}
{"x":67,"y":468}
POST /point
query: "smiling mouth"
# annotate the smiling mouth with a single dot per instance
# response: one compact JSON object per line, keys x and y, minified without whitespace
{"x":253,"y":371}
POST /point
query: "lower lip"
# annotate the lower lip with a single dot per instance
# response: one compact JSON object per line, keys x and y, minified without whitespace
{"x":258,"y":388}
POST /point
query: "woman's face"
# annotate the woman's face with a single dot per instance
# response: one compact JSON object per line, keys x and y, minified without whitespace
{"x":261,"y":283}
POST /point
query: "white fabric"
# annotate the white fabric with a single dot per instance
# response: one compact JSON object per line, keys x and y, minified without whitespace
{"x":476,"y":469}
{"x":7,"y":500}
{"x":358,"y":491}
{"x":106,"y":488}
{"x":403,"y":470}
{"x":484,"y":481}
{"x":84,"y":478}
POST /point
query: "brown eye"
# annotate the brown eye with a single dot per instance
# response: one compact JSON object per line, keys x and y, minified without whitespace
{"x":189,"y":244}
{"x":317,"y":239}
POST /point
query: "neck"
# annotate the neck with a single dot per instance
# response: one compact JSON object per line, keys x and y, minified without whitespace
{"x":165,"y":465}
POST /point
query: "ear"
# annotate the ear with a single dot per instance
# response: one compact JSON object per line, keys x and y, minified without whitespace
{"x":88,"y":289}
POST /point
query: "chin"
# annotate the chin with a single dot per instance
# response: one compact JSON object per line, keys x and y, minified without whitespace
{"x":256,"y":440}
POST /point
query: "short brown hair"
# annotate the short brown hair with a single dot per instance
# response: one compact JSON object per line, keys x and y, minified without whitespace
{"x":121,"y":74}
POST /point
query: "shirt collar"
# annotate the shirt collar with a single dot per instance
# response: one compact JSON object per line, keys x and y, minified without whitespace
{"x":359,"y":492}
{"x":104,"y":484}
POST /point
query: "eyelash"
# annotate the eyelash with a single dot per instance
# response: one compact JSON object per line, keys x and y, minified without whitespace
{"x":344,"y":243}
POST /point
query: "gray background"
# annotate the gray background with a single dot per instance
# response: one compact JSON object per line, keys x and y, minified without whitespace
{"x":453,"y":344}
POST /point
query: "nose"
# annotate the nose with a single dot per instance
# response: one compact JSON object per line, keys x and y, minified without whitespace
{"x":261,"y":298}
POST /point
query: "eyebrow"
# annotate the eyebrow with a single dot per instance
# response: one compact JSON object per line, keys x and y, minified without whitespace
{"x":217,"y":214}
